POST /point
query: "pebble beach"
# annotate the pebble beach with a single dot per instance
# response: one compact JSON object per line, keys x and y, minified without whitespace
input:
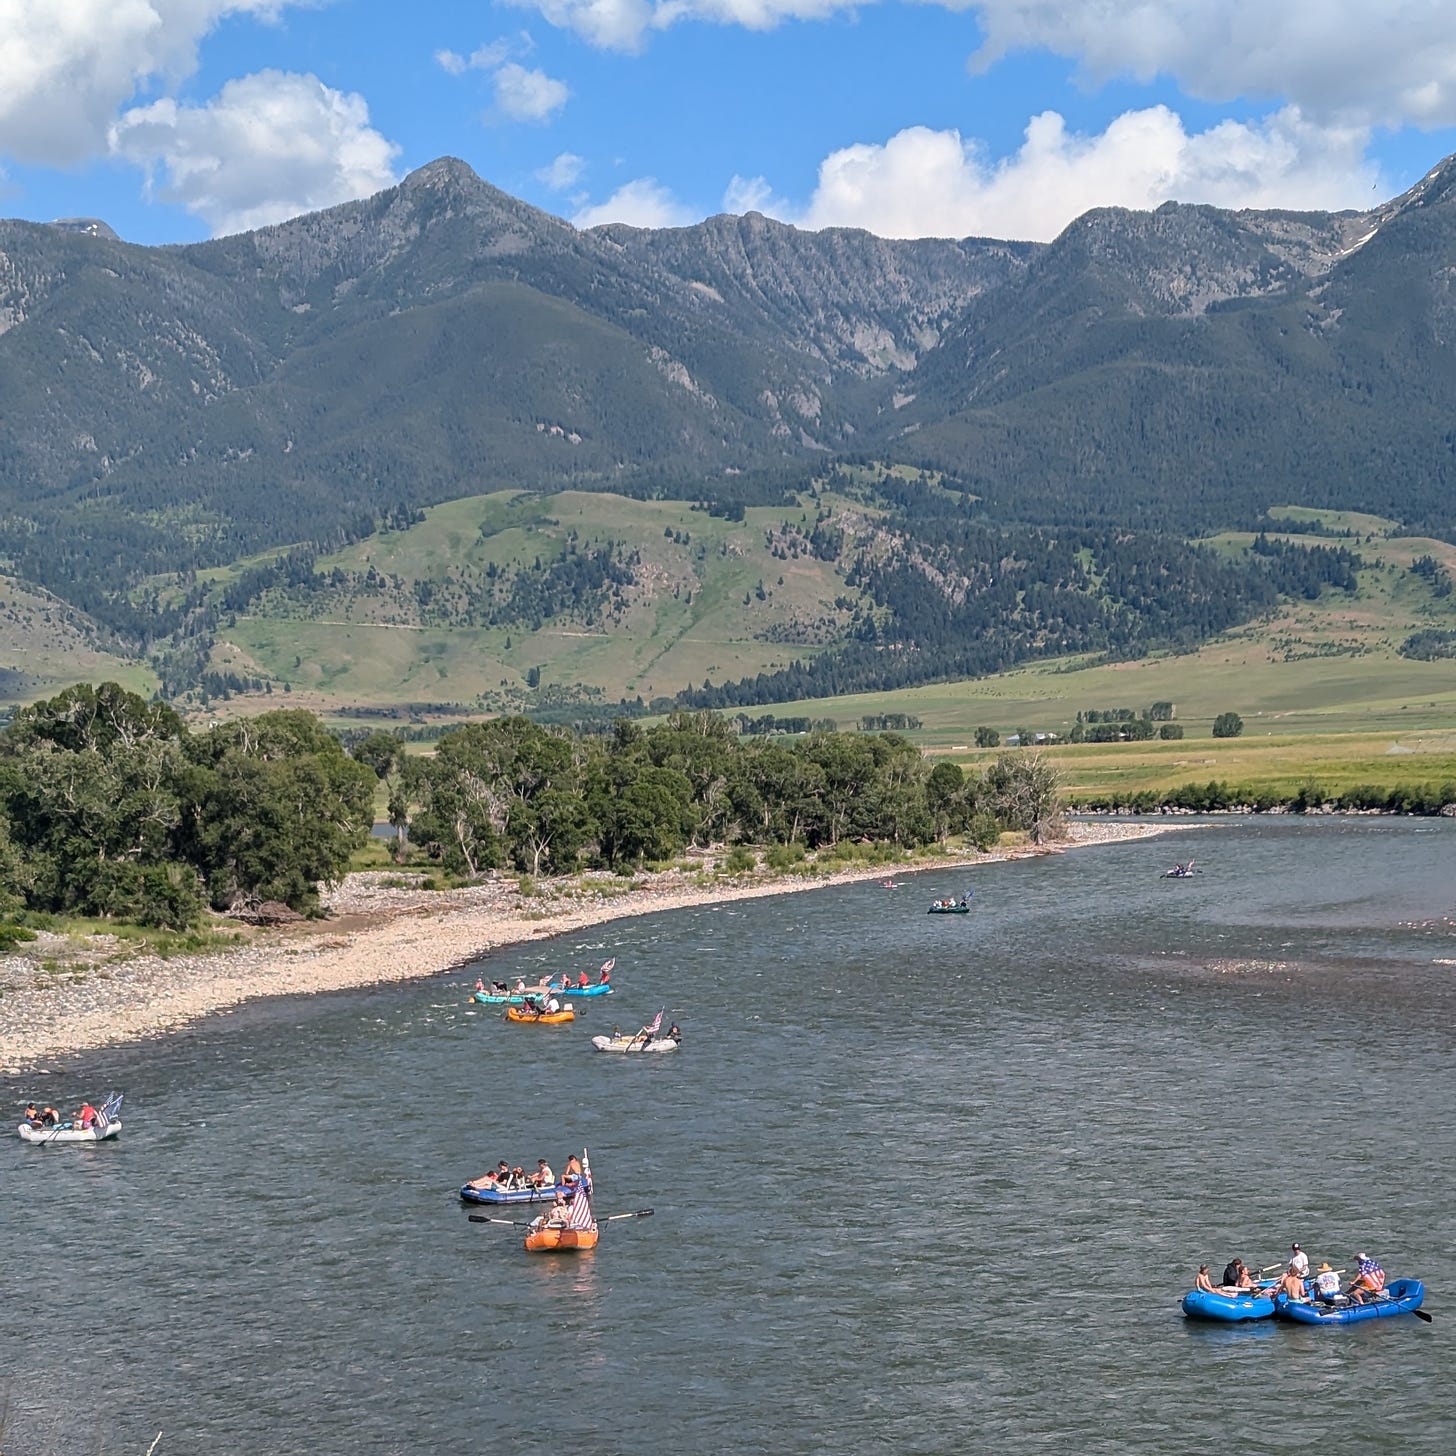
{"x":55,"y":1002}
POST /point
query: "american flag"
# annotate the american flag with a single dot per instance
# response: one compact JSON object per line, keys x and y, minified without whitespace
{"x":655,"y":1026}
{"x":108,"y":1113}
{"x":579,"y":1211}
{"x":608,"y":966}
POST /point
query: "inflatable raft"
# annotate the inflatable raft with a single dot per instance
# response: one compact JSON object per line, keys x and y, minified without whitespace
{"x":510,"y":998}
{"x":601,"y":988}
{"x":548,"y":1018}
{"x":65,"y":1133}
{"x":949,"y":910}
{"x":492,"y":1194}
{"x":634,"y":1044}
{"x":1244,"y":1304}
{"x":553,"y":1240}
{"x":1401,"y":1296}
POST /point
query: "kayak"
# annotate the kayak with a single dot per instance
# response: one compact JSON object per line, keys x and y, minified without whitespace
{"x":1401,"y":1296}
{"x":1248,"y":1304}
{"x":634,"y":1044}
{"x":519,"y":1195}
{"x":548,"y":1018}
{"x":602,"y":988}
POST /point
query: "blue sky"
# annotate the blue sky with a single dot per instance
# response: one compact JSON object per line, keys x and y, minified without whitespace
{"x":176,"y":120}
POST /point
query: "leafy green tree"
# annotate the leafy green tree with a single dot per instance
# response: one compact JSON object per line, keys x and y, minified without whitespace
{"x":1227,"y":725}
{"x":1023,"y":790}
{"x":1170,"y":731}
{"x":987,"y":738}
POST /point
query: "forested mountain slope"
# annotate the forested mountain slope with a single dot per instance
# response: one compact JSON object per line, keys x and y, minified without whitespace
{"x":168,"y":410}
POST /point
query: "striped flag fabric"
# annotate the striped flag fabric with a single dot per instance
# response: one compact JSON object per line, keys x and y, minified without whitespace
{"x":609,"y":966}
{"x":108,"y":1112}
{"x":579,"y":1211}
{"x":655,"y":1026}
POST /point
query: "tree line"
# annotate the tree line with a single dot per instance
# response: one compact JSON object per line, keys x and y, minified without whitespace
{"x":111,"y":806}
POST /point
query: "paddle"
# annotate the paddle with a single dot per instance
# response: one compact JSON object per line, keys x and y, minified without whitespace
{"x":526,"y":1223}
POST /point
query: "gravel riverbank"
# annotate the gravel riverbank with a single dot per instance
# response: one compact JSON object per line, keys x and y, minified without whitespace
{"x":55,"y":1001}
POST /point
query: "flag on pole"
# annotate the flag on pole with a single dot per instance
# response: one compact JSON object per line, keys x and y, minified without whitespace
{"x":655,"y":1026}
{"x":108,"y":1113}
{"x":609,"y":966}
{"x":579,"y":1211}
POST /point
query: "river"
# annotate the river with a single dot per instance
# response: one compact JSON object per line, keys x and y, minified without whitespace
{"x":920,"y":1184}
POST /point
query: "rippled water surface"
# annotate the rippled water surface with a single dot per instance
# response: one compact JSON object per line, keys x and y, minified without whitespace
{"x":921,"y":1184}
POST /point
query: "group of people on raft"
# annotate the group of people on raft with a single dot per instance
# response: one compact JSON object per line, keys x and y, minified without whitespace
{"x":509,"y":1179}
{"x":952,"y":903}
{"x":544,"y":988}
{"x":1296,"y":1282}
{"x":83,"y":1118}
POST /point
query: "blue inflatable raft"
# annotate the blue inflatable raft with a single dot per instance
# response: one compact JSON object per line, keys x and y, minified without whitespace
{"x":1401,"y":1296}
{"x":520,"y":1195}
{"x":1247,"y":1304}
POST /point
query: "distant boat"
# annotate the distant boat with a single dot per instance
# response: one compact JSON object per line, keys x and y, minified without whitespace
{"x":949,"y":907}
{"x":550,"y":1018}
{"x":1180,"y":872}
{"x":107,"y":1125}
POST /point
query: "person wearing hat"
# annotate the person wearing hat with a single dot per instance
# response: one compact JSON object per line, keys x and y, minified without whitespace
{"x":1298,"y":1262}
{"x":1326,"y":1284}
{"x":1369,"y":1279}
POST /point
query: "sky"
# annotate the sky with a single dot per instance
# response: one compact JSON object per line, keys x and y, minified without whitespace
{"x":179,"y":120}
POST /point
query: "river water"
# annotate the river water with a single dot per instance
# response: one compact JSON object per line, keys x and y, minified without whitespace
{"x":921,"y":1184}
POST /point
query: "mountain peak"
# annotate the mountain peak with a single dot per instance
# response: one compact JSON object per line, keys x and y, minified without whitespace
{"x":90,"y":227}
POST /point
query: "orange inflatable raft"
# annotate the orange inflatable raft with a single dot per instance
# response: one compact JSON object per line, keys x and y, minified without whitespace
{"x":551,"y":1018}
{"x":553,"y":1239}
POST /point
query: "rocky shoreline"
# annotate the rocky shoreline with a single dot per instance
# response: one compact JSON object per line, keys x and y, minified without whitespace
{"x":378,"y":928}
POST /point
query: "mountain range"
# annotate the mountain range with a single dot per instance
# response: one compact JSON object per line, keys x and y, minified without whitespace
{"x":166,"y":411}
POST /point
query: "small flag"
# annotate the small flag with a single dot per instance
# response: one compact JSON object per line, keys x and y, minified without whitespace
{"x":609,"y":966}
{"x":655,"y":1026}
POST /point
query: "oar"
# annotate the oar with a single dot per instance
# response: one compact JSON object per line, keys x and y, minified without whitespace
{"x":509,"y":1222}
{"x":647,"y":1213}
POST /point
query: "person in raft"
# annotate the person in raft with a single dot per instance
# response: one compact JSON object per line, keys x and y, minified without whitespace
{"x":492,"y":1180}
{"x":583,"y":980}
{"x":1237,"y":1274}
{"x":1326,"y":1284}
{"x":85,"y":1118}
{"x":1290,"y":1285}
{"x":1203,"y":1282}
{"x":1298,"y":1262}
{"x":555,"y":1216}
{"x":543,"y":1177}
{"x":1369,"y":1279}
{"x":572,"y":1171}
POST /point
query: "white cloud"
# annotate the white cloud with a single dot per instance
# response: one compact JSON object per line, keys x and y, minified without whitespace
{"x":528,"y":95}
{"x":924,"y":183}
{"x":752,"y":194}
{"x":267,"y":147}
{"x":564,"y":171}
{"x":1388,"y":62}
{"x":643,"y":203}
{"x":67,"y":66}
{"x":1382,"y":63}
{"x":451,"y":62}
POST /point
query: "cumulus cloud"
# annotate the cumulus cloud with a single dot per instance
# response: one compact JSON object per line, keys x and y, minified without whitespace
{"x":752,"y":194}
{"x":451,"y":62}
{"x":67,"y":66}
{"x":563,"y":172}
{"x":924,"y":183}
{"x":267,"y":147}
{"x":1386,"y":63}
{"x":643,"y":203}
{"x":526,"y":95}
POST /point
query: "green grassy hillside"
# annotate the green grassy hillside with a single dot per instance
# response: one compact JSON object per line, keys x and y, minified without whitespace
{"x":716,"y":598}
